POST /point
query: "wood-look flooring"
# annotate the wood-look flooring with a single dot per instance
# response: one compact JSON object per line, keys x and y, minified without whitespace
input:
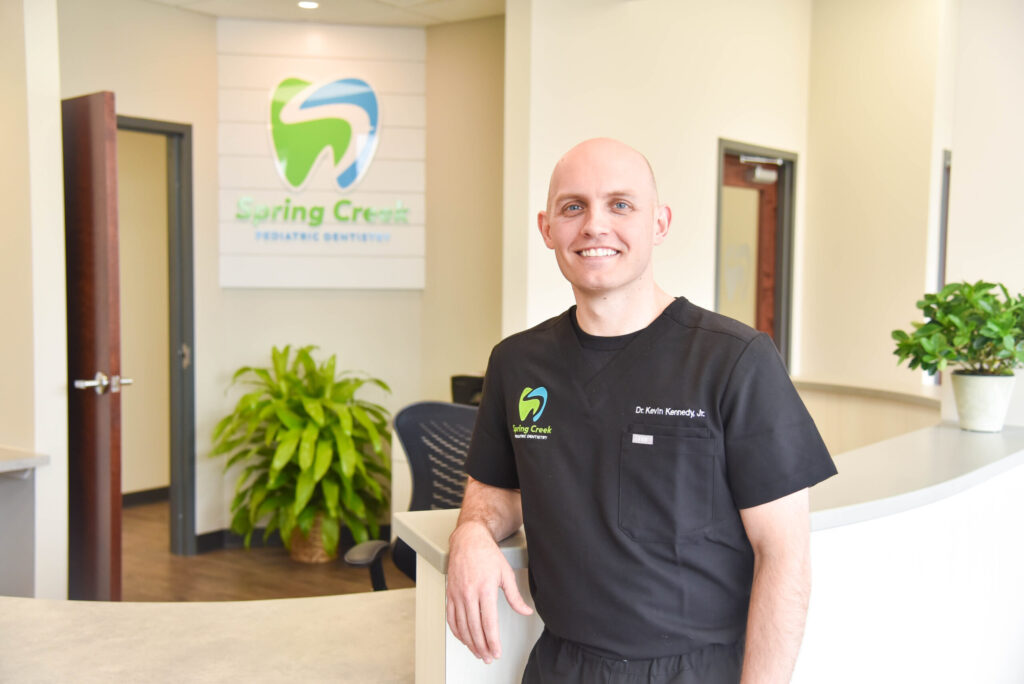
{"x":151,"y":573}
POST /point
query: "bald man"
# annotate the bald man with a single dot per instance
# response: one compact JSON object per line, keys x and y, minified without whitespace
{"x":656,"y":454}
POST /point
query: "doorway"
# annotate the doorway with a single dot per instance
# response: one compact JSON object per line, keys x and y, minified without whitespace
{"x":90,"y":127}
{"x":754,"y":238}
{"x":158,"y":439}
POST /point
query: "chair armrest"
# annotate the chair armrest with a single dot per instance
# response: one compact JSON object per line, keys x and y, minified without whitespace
{"x":366,"y":553}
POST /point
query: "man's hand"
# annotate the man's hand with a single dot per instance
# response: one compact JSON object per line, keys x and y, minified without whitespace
{"x":476,"y":567}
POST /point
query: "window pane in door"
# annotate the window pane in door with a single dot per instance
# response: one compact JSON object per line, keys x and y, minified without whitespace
{"x":737,"y":267}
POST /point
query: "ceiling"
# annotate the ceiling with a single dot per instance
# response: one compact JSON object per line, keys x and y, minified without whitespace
{"x":366,"y":12}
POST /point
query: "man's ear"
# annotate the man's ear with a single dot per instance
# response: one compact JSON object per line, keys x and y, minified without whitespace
{"x":662,"y":221}
{"x":545,"y":228}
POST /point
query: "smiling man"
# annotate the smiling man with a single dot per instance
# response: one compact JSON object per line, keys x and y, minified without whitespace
{"x":657,"y":455}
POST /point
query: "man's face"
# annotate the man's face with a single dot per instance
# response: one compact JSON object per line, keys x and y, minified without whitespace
{"x":603,"y":217}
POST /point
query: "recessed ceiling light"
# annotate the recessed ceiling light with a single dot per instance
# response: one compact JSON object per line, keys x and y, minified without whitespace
{"x":305,"y":4}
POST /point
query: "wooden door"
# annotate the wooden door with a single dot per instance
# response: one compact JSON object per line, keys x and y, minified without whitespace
{"x":94,"y":348}
{"x":737,"y":175}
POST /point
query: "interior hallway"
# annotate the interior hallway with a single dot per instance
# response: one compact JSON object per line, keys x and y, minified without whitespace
{"x":151,"y":573}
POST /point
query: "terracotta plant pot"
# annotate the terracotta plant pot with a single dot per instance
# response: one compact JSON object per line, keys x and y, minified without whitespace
{"x":982,"y":400}
{"x":309,"y":549}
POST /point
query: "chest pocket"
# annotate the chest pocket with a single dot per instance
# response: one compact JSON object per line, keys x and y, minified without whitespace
{"x":666,"y":481}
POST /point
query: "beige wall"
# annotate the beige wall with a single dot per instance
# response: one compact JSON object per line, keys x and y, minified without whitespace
{"x":33,"y":392}
{"x":669,"y":77}
{"x":16,"y":344}
{"x":873,"y":81}
{"x":461,"y":316}
{"x":986,"y":213}
{"x":517,"y":214}
{"x":145,"y":333}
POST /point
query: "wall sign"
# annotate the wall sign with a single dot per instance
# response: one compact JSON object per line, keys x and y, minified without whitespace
{"x":322,"y":158}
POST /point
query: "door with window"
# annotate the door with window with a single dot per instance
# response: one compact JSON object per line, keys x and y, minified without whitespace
{"x":754,"y":238}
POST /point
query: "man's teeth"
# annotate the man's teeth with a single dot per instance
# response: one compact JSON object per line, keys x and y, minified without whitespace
{"x":598,"y":252}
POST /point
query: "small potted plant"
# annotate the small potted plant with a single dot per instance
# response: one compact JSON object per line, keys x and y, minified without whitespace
{"x":312,"y":451}
{"x":979,"y":330}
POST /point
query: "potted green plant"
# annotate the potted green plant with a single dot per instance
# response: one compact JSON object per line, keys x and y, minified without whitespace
{"x":978,"y":328}
{"x":312,"y":452}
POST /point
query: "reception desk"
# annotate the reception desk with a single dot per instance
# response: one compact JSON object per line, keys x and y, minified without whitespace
{"x":359,"y":638}
{"x":917,"y":555}
{"x":917,"y":552}
{"x":17,"y":520}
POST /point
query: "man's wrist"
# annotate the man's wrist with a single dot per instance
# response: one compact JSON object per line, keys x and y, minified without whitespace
{"x":470,"y":529}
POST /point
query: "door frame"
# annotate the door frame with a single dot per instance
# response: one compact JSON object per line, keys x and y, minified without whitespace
{"x":181,"y":359}
{"x":786,"y":186}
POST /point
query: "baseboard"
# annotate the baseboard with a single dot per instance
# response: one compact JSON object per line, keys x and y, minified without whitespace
{"x":226,"y":539}
{"x":146,"y":496}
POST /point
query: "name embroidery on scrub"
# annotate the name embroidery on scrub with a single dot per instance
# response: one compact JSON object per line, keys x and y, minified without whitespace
{"x":669,"y":411}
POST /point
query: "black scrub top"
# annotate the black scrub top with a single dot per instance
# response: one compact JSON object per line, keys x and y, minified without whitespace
{"x":632,"y":474}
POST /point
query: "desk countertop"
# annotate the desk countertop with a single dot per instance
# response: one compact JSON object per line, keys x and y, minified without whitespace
{"x":12,"y":459}
{"x":912,"y":470}
{"x":365,"y":638}
{"x":881,"y":479}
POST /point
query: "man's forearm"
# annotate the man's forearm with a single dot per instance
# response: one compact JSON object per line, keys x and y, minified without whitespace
{"x":775,"y":625}
{"x":499,"y":510}
{"x":477,"y":569}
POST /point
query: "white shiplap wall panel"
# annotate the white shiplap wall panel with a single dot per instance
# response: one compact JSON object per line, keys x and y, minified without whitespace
{"x":263,"y":73}
{"x":253,"y":58}
{"x":286,"y":39}
{"x":403,"y":240}
{"x":364,"y":273}
{"x":241,"y":173}
{"x":415,"y":202}
{"x":253,"y":140}
{"x":403,"y":110}
{"x":252,"y":106}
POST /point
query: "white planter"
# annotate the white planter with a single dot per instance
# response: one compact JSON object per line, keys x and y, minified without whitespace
{"x":982,"y":400}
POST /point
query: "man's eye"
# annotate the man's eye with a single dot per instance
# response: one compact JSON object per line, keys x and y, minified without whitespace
{"x":573,"y":206}
{"x":622,"y":206}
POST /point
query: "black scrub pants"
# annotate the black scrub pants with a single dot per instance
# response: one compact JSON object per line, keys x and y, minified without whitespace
{"x":557,"y":661}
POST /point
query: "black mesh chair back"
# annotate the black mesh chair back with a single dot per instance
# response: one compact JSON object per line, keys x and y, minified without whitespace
{"x":435,"y":437}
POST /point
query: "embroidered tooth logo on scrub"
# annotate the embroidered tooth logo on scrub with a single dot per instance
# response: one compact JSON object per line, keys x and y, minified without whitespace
{"x":532,"y":401}
{"x":306,"y":120}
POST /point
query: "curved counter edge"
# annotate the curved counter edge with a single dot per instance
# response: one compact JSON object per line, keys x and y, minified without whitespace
{"x":879,"y":480}
{"x":365,"y":637}
{"x":927,"y":395}
{"x":911,"y":471}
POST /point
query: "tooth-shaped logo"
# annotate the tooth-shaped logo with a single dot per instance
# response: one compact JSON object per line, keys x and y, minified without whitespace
{"x":306,"y":120}
{"x":532,"y":401}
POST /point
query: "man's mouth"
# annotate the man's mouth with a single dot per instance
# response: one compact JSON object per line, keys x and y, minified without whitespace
{"x":598,"y":252}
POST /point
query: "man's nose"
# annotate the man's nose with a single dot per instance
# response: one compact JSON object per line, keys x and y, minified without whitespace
{"x":596,"y":224}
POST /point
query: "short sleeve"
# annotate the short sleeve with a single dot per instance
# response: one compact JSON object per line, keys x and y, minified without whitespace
{"x":491,"y":459}
{"x":772,"y":447}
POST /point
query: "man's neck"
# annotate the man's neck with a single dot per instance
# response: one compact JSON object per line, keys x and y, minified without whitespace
{"x":620,"y":313}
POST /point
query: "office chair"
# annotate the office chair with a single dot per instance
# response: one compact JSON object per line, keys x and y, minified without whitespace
{"x":435,"y":437}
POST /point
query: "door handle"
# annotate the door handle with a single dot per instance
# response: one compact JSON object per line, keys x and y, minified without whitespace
{"x":99,"y":383}
{"x":117,"y":382}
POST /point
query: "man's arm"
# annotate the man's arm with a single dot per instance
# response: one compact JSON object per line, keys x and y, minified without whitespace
{"x":779,"y":532}
{"x":476,"y":567}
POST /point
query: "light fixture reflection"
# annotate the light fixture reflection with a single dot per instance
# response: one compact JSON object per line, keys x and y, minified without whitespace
{"x":305,"y":4}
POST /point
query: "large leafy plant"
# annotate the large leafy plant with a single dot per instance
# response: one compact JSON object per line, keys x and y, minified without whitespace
{"x":968,"y":325}
{"x":309,"y":446}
